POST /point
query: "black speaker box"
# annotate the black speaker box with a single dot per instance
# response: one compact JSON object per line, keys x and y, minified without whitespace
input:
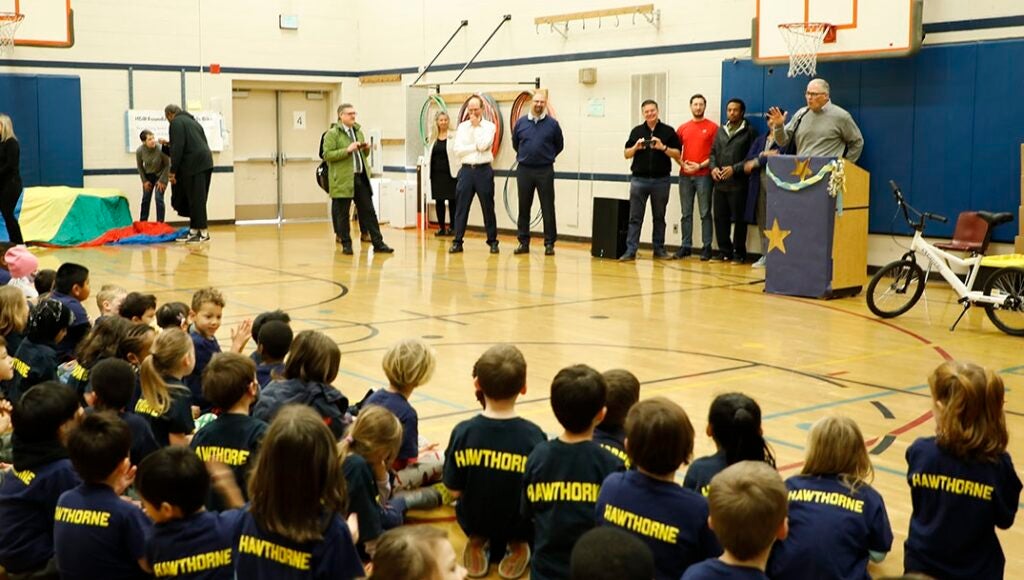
{"x":611,"y":221}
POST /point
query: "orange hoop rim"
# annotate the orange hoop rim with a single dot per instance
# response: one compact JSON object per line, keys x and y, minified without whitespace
{"x":806,"y":26}
{"x":9,"y":17}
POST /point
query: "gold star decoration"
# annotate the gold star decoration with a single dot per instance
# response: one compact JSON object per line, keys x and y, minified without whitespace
{"x":777,"y":237}
{"x":803,"y":168}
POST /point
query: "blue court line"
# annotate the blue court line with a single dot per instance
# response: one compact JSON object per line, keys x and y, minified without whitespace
{"x":784,"y":443}
{"x":416,"y":395}
{"x":842,"y":402}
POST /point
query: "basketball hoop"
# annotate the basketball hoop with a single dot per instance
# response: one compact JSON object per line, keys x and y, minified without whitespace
{"x":9,"y":22}
{"x":804,"y":39}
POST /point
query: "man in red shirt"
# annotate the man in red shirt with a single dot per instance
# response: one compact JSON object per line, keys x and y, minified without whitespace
{"x":696,"y":135}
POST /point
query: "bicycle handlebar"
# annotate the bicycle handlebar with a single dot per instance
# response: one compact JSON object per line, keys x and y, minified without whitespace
{"x":907,"y":209}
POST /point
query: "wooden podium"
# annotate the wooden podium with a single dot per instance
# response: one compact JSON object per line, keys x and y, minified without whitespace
{"x":821,"y":242}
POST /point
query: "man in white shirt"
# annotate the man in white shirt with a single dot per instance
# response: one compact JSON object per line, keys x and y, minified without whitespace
{"x":473,"y":141}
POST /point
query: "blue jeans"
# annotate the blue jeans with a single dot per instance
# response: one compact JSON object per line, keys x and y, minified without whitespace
{"x":147,"y":197}
{"x":689,"y":186}
{"x":641,"y":188}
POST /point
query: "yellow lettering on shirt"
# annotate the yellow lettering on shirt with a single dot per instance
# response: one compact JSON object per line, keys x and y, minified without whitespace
{"x":26,"y":476}
{"x":79,"y":372}
{"x":953,"y":485}
{"x":193,"y":564}
{"x":551,"y":491}
{"x":20,"y":367}
{"x":491,"y":459}
{"x":832,"y":498}
{"x":81,"y":517}
{"x":273,"y":552}
{"x":225,"y":455}
{"x":705,"y":490}
{"x":620,"y":454}
{"x":142,"y":407}
{"x":641,"y":525}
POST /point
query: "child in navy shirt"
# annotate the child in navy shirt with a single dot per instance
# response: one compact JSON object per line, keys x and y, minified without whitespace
{"x":271,"y":350}
{"x":71,"y":288}
{"x":962,"y":482}
{"x":294,"y":526}
{"x":734,"y":422}
{"x":96,"y":533}
{"x":747,"y":501}
{"x":647,"y":501}
{"x":837,"y":521}
{"x":187,"y":542}
{"x":408,"y":364}
{"x":172,"y":315}
{"x":113,"y":381}
{"x":36,"y":359}
{"x":229,"y":383}
{"x":42,"y":472}
{"x":138,"y":307}
{"x":165,"y":401}
{"x":484,"y":465}
{"x":563,"y":476}
{"x":623,"y":393}
{"x":102,"y":342}
{"x":257,"y":327}
{"x":207,"y":311}
{"x":608,"y":553}
{"x":14,"y":310}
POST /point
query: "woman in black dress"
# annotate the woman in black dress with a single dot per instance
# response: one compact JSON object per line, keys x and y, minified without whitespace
{"x":10,"y":178}
{"x":442,"y":180}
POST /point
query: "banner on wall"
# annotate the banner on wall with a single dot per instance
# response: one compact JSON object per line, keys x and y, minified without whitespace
{"x":137,"y":120}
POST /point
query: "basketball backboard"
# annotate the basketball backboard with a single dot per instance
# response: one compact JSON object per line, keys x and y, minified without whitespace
{"x":47,"y":23}
{"x":864,"y":28}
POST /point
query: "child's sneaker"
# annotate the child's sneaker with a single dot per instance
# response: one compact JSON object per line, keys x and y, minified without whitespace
{"x":476,"y":557}
{"x":446,"y":495}
{"x":515,"y":562}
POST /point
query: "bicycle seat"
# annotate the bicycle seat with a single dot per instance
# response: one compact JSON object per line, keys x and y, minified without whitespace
{"x":994,"y":219}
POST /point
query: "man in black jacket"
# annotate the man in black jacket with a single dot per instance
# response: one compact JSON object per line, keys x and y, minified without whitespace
{"x":191,"y":171}
{"x":727,"y":153}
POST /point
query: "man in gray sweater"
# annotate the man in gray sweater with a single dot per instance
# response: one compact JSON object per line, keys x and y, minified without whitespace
{"x":821,"y":129}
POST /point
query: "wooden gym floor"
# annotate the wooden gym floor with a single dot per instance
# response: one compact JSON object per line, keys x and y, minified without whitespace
{"x":689,"y":330}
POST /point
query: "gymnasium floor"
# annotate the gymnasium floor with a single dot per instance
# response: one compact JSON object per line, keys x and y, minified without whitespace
{"x":689,"y":330}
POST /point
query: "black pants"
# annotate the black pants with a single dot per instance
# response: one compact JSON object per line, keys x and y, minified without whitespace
{"x":340,"y":212}
{"x":9,"y":195}
{"x":541,"y":179}
{"x":439,"y":207}
{"x":477,"y":181}
{"x":729,"y":208}
{"x":197,"y":191}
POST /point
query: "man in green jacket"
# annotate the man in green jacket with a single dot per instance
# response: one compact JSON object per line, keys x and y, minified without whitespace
{"x":344,"y":152}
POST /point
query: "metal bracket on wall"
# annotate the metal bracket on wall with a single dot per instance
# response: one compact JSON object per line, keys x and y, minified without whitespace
{"x":559,"y":23}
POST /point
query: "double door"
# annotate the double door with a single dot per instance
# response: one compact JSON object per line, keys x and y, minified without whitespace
{"x":276,"y":141}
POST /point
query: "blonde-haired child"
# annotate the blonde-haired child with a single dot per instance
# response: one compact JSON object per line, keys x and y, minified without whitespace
{"x":837,"y":521}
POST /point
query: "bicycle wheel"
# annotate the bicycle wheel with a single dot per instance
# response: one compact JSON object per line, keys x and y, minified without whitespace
{"x":895,"y":288}
{"x":1009,"y":284}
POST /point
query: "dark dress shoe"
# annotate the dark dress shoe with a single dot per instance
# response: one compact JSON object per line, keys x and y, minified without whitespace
{"x":364,"y":237}
{"x":456,"y":248}
{"x":441,"y":233}
{"x":384,"y":249}
{"x":549,"y":250}
{"x":347,"y":249}
{"x":627,"y":257}
{"x":494,"y":247}
{"x":660,"y":254}
{"x":521,"y":249}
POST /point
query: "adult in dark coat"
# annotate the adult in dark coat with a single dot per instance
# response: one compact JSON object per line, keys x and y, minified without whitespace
{"x":730,"y":197}
{"x":191,"y":171}
{"x":757,"y":192}
{"x":10,"y":178}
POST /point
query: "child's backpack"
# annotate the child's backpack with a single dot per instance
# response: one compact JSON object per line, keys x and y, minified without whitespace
{"x":323,"y":178}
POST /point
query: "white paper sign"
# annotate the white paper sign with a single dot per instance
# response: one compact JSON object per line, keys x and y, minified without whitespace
{"x":137,"y":120}
{"x":299,"y":120}
{"x":595,"y":107}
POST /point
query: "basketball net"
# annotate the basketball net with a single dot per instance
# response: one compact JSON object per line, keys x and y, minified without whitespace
{"x":9,"y":22}
{"x":803,"y":40}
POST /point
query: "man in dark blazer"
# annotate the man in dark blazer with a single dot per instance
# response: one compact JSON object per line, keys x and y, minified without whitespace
{"x":730,"y":197}
{"x":191,"y":171}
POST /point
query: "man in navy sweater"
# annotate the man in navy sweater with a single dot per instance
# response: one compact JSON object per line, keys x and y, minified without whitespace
{"x":537,"y":139}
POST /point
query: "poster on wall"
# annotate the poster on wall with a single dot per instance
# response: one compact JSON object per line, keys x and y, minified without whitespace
{"x":136,"y":120}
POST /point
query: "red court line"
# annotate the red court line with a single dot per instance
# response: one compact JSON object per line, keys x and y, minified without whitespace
{"x":943,"y":353}
{"x":837,"y":373}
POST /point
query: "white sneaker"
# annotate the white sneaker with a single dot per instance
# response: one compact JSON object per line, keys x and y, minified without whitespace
{"x":760,"y":263}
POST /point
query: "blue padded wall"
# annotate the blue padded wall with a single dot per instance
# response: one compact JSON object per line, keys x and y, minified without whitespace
{"x":946,"y":124}
{"x":47,"y":115}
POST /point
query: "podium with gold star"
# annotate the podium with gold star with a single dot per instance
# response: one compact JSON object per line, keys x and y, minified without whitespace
{"x":817,"y":227}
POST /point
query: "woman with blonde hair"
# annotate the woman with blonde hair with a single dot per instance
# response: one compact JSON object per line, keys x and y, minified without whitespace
{"x":444,"y":168}
{"x":10,"y":178}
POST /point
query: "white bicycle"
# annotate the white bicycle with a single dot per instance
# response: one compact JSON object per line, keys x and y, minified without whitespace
{"x":898,"y":286}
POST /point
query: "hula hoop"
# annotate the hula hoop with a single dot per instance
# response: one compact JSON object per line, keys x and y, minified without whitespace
{"x":492,"y":113}
{"x":424,"y":129}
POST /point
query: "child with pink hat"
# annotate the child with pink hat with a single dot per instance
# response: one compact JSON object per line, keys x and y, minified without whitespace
{"x":22,"y":265}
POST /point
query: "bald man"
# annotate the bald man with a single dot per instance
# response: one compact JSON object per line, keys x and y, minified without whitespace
{"x":821,"y":129}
